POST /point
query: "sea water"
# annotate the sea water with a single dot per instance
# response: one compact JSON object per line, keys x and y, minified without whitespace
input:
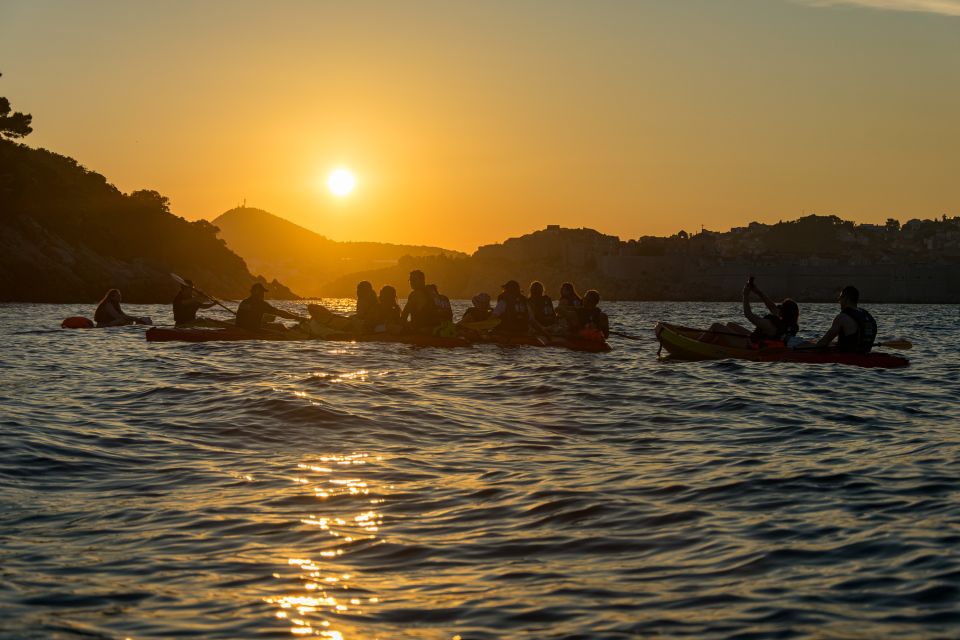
{"x":338,"y":490}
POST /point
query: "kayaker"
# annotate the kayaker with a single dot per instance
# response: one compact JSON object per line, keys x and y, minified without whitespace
{"x":480,"y":311}
{"x":567,"y":305}
{"x":109,"y":313}
{"x":513,"y":311}
{"x":365,"y":319}
{"x":418,"y":313}
{"x":541,"y":305}
{"x":854,"y":328}
{"x":779,"y":325}
{"x":186,"y":304}
{"x":594,"y":324}
{"x":388,"y":312}
{"x":441,"y":304}
{"x":251,"y":310}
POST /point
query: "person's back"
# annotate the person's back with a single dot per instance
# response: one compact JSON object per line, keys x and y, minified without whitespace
{"x":594,"y":323}
{"x":418,"y":311}
{"x":541,"y":305}
{"x":861,"y":334}
{"x":388,"y":311}
{"x":512,"y":310}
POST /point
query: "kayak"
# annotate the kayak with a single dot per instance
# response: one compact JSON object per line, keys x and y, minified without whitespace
{"x":684,"y":343}
{"x":178,"y":334}
{"x":182,"y":334}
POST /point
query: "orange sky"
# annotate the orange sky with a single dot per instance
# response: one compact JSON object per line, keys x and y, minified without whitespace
{"x":466,"y":123}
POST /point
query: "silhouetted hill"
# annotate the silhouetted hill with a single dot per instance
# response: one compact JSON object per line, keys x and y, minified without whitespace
{"x":305,"y":260}
{"x":67,"y":235}
{"x":809,"y":259}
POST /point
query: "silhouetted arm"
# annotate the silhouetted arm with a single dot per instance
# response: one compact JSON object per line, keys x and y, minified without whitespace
{"x":831,"y":333}
{"x":747,"y":311}
{"x":771,"y":305}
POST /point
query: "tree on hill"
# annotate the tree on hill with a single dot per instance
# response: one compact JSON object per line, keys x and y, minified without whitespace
{"x":13,"y":125}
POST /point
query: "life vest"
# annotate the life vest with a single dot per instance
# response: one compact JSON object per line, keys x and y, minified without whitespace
{"x":784,"y":330}
{"x":250,"y":314}
{"x":861,"y":341}
{"x":185,"y":308}
{"x":543,"y":310}
{"x":515,"y":317}
{"x":442,"y":309}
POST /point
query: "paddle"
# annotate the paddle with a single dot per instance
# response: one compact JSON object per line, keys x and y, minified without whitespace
{"x":183,"y":282}
{"x":904,"y":345}
{"x":620,"y":334}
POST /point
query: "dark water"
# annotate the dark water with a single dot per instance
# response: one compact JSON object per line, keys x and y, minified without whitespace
{"x":241,"y":490}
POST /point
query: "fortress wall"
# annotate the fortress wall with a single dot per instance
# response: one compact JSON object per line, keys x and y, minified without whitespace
{"x":677,"y":277}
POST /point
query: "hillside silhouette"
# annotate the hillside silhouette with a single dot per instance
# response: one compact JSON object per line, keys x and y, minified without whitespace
{"x":68,"y":235}
{"x":303,"y":259}
{"x":810,"y":258}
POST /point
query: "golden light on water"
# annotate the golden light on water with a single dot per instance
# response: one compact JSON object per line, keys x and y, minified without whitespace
{"x":323,"y":592}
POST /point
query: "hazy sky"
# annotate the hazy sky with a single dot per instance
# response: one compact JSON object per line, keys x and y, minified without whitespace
{"x":469,"y":122}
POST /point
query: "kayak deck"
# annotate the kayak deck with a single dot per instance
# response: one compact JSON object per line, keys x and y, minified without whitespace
{"x":179,"y":334}
{"x":685,"y":343}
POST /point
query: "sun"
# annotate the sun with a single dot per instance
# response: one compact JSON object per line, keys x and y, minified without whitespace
{"x":341,"y":182}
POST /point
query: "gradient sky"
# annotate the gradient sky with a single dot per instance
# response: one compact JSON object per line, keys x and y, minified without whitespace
{"x":470,"y":122}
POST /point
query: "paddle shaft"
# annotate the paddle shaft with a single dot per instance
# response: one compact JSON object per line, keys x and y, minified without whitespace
{"x":206,"y":295}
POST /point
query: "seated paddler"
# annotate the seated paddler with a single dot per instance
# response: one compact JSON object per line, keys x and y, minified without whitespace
{"x":854,"y":328}
{"x":186,"y":304}
{"x":419,"y":313}
{"x":594,"y":323}
{"x":513,"y":311}
{"x":252,"y":309}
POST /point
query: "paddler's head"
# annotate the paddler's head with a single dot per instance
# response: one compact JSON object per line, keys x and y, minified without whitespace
{"x":536,"y":289}
{"x":591,"y":299}
{"x":849,"y":297}
{"x":511,"y":286}
{"x":417,"y":280}
{"x":257,"y":290}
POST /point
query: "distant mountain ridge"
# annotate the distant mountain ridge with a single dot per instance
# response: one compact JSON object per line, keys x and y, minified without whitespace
{"x":67,"y":235}
{"x":304,"y":259}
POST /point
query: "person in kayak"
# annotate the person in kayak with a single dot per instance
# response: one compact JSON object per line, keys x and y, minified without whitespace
{"x":365,"y":318}
{"x":252,"y":309}
{"x":593,"y":323}
{"x":480,"y":311}
{"x":854,"y":328}
{"x":541,"y":305}
{"x":779,"y":325}
{"x":186,"y":304}
{"x":418,"y":313}
{"x":388,"y":312}
{"x":513,"y":311}
{"x":109,"y":313}
{"x":567,"y":305}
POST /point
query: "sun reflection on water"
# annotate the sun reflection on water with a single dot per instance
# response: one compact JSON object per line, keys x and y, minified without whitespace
{"x":324,"y":592}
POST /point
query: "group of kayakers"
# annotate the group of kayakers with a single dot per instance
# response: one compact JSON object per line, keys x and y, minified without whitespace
{"x":854,"y":329}
{"x":429,"y":312}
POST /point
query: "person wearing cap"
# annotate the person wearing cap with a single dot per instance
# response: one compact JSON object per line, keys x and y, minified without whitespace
{"x":252,"y":309}
{"x":419,"y":313}
{"x":186,"y":304}
{"x":480,"y":311}
{"x":854,"y":328}
{"x":513,"y":311}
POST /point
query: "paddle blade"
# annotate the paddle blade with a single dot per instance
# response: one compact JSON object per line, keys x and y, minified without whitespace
{"x":905,"y":345}
{"x":179,"y":280}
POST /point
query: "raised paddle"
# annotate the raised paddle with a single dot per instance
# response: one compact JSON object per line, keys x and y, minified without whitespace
{"x":183,"y":282}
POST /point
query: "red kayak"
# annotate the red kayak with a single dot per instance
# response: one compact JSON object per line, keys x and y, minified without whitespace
{"x":176,"y":334}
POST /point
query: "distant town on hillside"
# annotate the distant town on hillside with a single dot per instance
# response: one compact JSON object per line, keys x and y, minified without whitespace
{"x":810,"y":258}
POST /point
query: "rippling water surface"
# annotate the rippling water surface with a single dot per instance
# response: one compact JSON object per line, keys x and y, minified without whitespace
{"x":242,"y":490}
